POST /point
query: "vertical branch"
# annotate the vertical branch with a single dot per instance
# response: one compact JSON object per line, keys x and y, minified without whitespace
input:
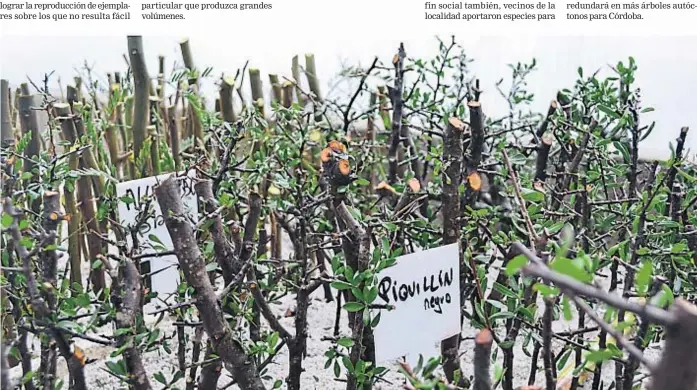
{"x":223,"y":250}
{"x":30,"y":125}
{"x":191,"y":261}
{"x":547,"y":318}
{"x":397,"y":113}
{"x":276,"y":88}
{"x":357,"y":252}
{"x":452,"y":177}
{"x":141,"y":102}
{"x":189,"y":61}
{"x":39,"y":306}
{"x":287,"y":94}
{"x":49,"y":263}
{"x":175,"y":128}
{"x":676,"y":369}
{"x":6,"y":132}
{"x":295,"y":71}
{"x":227,"y":108}
{"x":257,"y":90}
{"x":85,"y":201}
{"x":542,"y":158}
{"x":311,"y":74}
{"x":195,"y":354}
{"x":674,"y":205}
{"x":542,"y":128}
{"x":482,"y":360}
{"x":210,"y":371}
{"x":128,"y":312}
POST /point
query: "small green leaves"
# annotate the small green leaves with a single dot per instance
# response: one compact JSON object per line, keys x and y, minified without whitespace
{"x":6,"y":220}
{"x":602,"y":355}
{"x":516,"y":264}
{"x":570,"y":268}
{"x":566,"y":308}
{"x":345,"y":342}
{"x":643,"y":277}
{"x":353,"y":306}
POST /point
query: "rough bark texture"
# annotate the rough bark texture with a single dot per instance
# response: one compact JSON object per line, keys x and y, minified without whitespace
{"x":141,"y":85}
{"x":193,"y":266}
{"x":452,"y":176}
{"x":6,"y":132}
{"x":49,"y":262}
{"x":482,"y":360}
{"x":85,"y":196}
{"x":676,"y":370}
{"x":397,"y":113}
{"x":357,"y":258}
{"x":126,"y":318}
{"x":224,"y":252}
{"x":227,"y":108}
{"x":210,"y":371}
{"x":62,"y":112}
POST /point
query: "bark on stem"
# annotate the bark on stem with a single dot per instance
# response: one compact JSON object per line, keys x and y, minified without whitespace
{"x":397,"y":113}
{"x":482,"y":360}
{"x":227,"y":108}
{"x":358,"y":260}
{"x":141,"y":86}
{"x":6,"y":133}
{"x":85,"y":197}
{"x":129,"y":309}
{"x":193,"y":266}
{"x":62,"y":112}
{"x":452,"y":177}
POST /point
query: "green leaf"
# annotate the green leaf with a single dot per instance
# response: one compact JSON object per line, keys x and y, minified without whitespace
{"x":533,"y":195}
{"x":569,"y":268}
{"x":160,"y":378}
{"x":516,"y":264}
{"x":211,"y":267}
{"x":7,"y":220}
{"x":664,"y":297}
{"x":546,"y":290}
{"x":599,"y":355}
{"x":502,"y":315}
{"x":566,"y":308}
{"x":97,"y":264}
{"x":353,"y":306}
{"x":608,"y":111}
{"x":154,"y":238}
{"x":345,"y":342}
{"x":340,"y":285}
{"x":643,"y":277}
{"x":362,"y":182}
{"x":622,"y":147}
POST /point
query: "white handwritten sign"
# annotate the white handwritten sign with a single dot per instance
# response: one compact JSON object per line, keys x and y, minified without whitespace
{"x":424,"y":288}
{"x":153,"y":234}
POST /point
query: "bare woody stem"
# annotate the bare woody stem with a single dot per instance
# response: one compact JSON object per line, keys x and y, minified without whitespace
{"x":452,"y":177}
{"x":482,"y":360}
{"x":141,"y":85}
{"x":127,"y":315}
{"x":75,"y":366}
{"x":191,"y":261}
